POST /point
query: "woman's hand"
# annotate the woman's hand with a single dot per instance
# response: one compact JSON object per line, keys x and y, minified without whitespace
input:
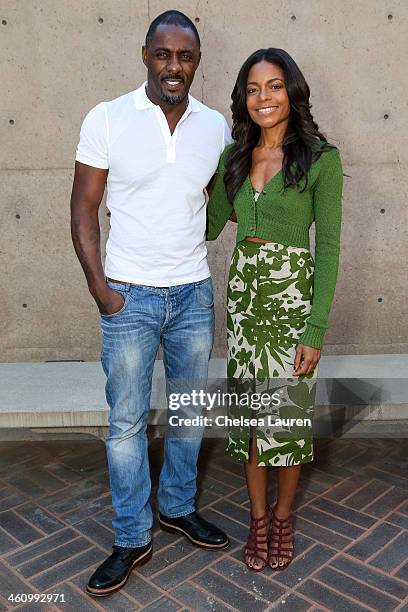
{"x":306,"y":359}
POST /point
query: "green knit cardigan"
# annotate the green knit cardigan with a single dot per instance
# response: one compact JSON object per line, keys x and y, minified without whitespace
{"x":285,"y":216}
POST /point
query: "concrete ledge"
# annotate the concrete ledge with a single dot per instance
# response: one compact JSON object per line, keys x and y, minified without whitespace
{"x":71,"y":395}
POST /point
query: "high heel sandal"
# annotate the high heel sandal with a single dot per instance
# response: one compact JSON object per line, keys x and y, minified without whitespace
{"x":255,"y":539}
{"x":281,"y":536}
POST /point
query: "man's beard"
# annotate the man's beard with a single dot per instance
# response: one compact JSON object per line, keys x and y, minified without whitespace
{"x":173,"y":100}
{"x":176,"y":98}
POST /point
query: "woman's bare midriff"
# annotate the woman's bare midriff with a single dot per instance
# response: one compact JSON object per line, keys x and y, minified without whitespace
{"x":256,"y":239}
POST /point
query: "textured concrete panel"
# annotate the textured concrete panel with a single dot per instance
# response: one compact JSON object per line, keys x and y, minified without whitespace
{"x":47,"y":310}
{"x":58,"y":59}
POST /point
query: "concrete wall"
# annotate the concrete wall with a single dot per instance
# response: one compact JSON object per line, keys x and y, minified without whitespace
{"x":60,"y":58}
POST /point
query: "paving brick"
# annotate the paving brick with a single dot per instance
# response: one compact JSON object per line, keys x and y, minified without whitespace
{"x":64,"y":571}
{"x":232,"y":479}
{"x":162,"y":538}
{"x":367,"y":494}
{"x":3,"y":606}
{"x":164,"y":558}
{"x":233,"y":511}
{"x":322,"y":478}
{"x":331,"y":522}
{"x":53,"y":499}
{"x":331,"y":600}
{"x":229,"y":592}
{"x":14,"y":453}
{"x":51,"y":558}
{"x":369,"y":575}
{"x":373,"y":542}
{"x":45,"y":479}
{"x":347,"y":585}
{"x":313,"y":486}
{"x":253,"y":582}
{"x":37,"y":607}
{"x":389,"y":479}
{"x":392,"y":555}
{"x":63,"y":472}
{"x":205,"y":498}
{"x":292,"y":603}
{"x":87,"y":509}
{"x":65,"y":505}
{"x":136,"y":589}
{"x":197,"y":598}
{"x":401,"y":520}
{"x":343,"y":512}
{"x":40,"y":518}
{"x":328,"y":467}
{"x":302,"y":498}
{"x":99,"y":476}
{"x":240,"y":496}
{"x":230,"y":465}
{"x":345,"y":488}
{"x":74,"y":600}
{"x":346,"y":450}
{"x":97,"y":533}
{"x":402,"y":573}
{"x":5,"y":490}
{"x":392,"y":465}
{"x":217,"y":487}
{"x":321,"y":534}
{"x":18,"y":527}
{"x":105,"y":516}
{"x":38,"y":548}
{"x":84,"y":460}
{"x":6,"y":543}
{"x":403,"y":509}
{"x":118,"y":602}
{"x":381,"y":507}
{"x":141,"y":590}
{"x":181,"y":571}
{"x":304,"y":565}
{"x":84,"y":501}
{"x":232,"y":528}
{"x":164,"y":604}
{"x":26,"y":486}
{"x":12,"y":583}
{"x":363,"y":459}
{"x":12,"y":501}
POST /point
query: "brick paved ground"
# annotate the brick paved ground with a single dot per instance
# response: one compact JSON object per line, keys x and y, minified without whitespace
{"x":351,"y":526}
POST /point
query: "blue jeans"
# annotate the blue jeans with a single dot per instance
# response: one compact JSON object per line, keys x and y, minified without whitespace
{"x":182,"y":319}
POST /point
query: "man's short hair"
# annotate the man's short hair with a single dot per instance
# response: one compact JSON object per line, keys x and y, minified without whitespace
{"x":172,"y":17}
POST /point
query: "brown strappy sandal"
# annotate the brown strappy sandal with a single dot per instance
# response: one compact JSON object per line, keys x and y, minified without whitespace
{"x":281,"y":536}
{"x":255,"y":539}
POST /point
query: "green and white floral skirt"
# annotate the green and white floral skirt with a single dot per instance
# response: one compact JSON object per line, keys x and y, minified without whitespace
{"x":270,"y":290}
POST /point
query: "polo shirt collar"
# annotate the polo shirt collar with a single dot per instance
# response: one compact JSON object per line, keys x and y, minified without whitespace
{"x":142,"y":102}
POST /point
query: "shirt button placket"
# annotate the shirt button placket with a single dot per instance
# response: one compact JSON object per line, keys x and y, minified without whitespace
{"x":253,"y":223}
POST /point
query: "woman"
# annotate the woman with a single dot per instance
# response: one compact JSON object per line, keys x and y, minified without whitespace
{"x":278,"y":176}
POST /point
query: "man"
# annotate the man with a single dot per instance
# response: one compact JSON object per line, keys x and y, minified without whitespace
{"x":156,"y":148}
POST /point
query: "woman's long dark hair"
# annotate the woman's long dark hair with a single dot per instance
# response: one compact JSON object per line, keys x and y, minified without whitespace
{"x":301,"y":140}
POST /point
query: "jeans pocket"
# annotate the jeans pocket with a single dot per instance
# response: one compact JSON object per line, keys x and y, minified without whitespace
{"x":119,"y":288}
{"x":204,"y":292}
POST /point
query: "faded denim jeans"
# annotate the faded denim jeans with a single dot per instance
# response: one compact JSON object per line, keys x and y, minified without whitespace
{"x":182,"y":319}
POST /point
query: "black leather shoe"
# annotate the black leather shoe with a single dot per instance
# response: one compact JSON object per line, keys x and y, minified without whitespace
{"x":199,"y":531}
{"x":112,"y":574}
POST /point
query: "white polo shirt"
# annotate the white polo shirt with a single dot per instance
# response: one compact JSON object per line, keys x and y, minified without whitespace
{"x":155,"y":187}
